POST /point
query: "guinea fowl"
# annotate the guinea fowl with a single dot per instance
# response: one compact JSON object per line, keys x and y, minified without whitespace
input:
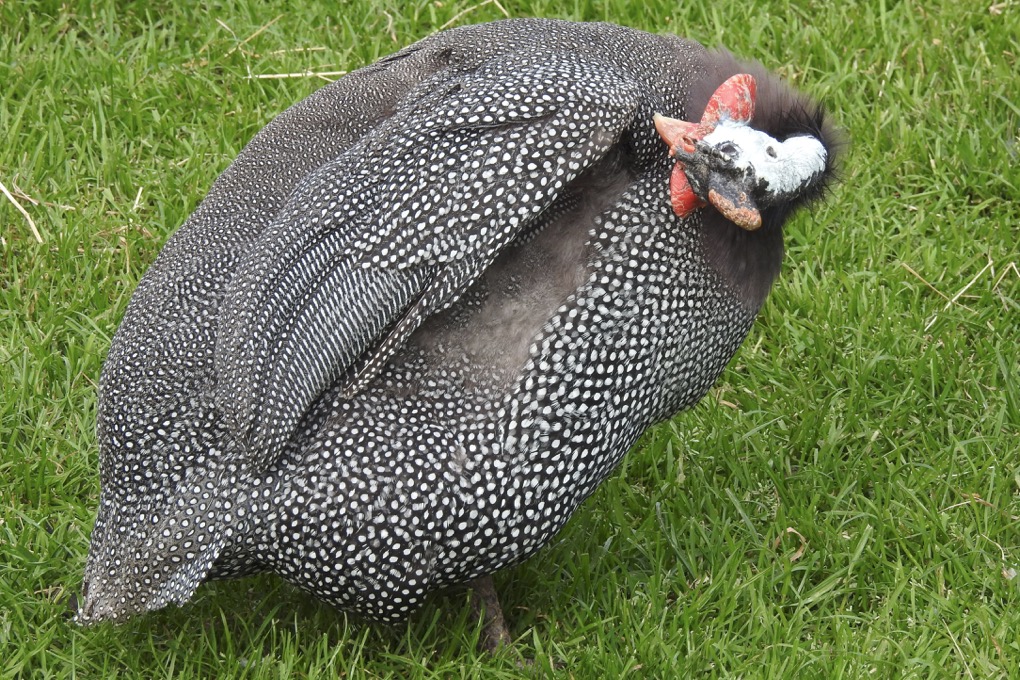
{"x":429,"y":308}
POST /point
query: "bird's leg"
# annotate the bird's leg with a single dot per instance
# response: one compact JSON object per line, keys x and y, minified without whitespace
{"x":485,"y":604}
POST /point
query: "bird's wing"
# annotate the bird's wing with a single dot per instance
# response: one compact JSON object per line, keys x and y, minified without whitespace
{"x":400,"y":225}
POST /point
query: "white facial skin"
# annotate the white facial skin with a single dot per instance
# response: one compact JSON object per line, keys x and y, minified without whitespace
{"x":785,"y":167}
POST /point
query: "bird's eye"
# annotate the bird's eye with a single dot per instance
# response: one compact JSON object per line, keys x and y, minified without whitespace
{"x":728,"y":148}
{"x":771,"y":152}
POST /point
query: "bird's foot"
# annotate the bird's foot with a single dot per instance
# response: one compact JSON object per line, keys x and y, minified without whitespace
{"x":495,"y":636}
{"x":485,"y":604}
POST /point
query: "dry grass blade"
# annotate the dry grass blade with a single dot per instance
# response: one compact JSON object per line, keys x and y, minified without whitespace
{"x":799,"y":552}
{"x":325,"y":75}
{"x":959,"y":294}
{"x":924,"y":281}
{"x":1011,"y":267}
{"x":253,"y":35}
{"x":468,"y":10}
{"x":28,"y":218}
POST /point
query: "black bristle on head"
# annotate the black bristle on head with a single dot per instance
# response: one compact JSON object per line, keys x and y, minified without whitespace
{"x":750,"y":261}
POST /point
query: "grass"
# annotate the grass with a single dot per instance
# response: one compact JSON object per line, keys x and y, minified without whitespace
{"x":844,"y":504}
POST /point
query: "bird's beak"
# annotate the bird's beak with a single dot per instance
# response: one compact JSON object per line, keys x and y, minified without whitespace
{"x":678,"y":134}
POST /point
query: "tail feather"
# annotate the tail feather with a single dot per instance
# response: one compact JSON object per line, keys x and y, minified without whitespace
{"x":143,"y":558}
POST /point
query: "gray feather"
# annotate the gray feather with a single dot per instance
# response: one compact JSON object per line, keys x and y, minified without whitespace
{"x":401,"y":224}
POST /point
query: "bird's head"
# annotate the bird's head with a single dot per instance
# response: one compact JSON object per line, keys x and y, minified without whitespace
{"x":723,"y":161}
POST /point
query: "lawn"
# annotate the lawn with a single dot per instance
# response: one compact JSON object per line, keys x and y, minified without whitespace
{"x":845,"y":503}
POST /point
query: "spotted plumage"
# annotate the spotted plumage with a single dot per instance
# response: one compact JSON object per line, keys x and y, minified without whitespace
{"x":421,"y":318}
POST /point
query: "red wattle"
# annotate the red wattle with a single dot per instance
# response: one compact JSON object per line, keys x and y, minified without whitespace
{"x":681,"y":195}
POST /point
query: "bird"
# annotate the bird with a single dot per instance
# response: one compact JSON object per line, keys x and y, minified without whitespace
{"x":428,"y":309}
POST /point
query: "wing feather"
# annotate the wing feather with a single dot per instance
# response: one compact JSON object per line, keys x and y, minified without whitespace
{"x":395,"y":230}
